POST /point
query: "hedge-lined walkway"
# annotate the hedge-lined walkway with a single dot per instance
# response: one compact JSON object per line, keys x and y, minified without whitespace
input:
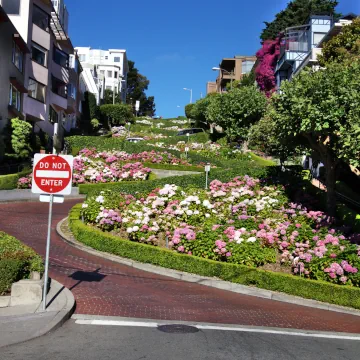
{"x":102,"y":287}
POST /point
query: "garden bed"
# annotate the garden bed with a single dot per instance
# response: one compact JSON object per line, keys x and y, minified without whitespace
{"x":310,"y":289}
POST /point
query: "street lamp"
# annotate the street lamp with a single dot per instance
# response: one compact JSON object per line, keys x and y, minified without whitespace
{"x":190,"y":94}
{"x":231,"y":73}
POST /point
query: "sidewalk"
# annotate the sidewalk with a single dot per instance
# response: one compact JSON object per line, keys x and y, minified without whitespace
{"x":27,"y":195}
{"x":26,"y":322}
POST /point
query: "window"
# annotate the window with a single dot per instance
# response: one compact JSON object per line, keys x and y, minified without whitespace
{"x":15,"y":98}
{"x":38,"y":54}
{"x":317,"y":38}
{"x":41,"y":18}
{"x":53,"y":116}
{"x":61,"y":58}
{"x":17,"y":57}
{"x":106,"y":57}
{"x":11,"y":7}
{"x":247,"y":65}
{"x":102,"y":72}
{"x":115,"y":74}
{"x":116,"y":59}
{"x":58,"y":87}
{"x":109,"y":74}
{"x":72,"y":91}
{"x":36,"y":90}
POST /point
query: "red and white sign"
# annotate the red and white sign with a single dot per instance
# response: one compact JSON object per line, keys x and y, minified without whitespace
{"x":52,"y":174}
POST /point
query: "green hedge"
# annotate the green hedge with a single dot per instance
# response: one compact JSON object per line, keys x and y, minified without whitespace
{"x":261,"y":161}
{"x":289,"y":284}
{"x":196,"y":180}
{"x":17,"y":261}
{"x":9,"y":182}
{"x":174,"y":167}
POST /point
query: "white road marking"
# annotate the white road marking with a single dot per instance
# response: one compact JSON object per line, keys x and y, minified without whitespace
{"x":223,"y":328}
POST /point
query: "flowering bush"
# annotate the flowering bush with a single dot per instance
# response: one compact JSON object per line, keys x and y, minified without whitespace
{"x":119,"y":131}
{"x":241,"y":222}
{"x":25,"y":182}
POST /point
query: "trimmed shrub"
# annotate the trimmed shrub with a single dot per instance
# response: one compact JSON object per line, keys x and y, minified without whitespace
{"x":289,"y":284}
{"x":17,"y":261}
{"x":119,"y":114}
{"x":9,"y":182}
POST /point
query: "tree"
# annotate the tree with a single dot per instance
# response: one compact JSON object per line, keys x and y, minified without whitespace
{"x":236,"y":110}
{"x":297,"y":13}
{"x":323,"y":108}
{"x":119,"y":114}
{"x":188,"y":110}
{"x":109,"y":97}
{"x":343,"y":47}
{"x":200,"y":109}
{"x":18,"y":139}
{"x":90,"y":110}
{"x":137,"y":84}
{"x":148,"y":107}
{"x":263,"y":136}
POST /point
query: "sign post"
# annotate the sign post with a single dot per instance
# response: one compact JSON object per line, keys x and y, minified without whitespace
{"x":207,"y":170}
{"x":52,"y":174}
{"x":137,"y":107}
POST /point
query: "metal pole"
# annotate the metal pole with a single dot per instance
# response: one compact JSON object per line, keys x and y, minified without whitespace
{"x":206,"y":179}
{"x":46,"y":274}
{"x":113,"y":94}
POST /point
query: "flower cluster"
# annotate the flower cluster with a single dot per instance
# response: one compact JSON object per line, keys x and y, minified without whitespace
{"x":25,"y":182}
{"x":119,"y":131}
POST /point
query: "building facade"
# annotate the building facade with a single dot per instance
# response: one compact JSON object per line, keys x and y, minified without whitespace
{"x":232,"y":69}
{"x":111,"y":64}
{"x":13,"y":50}
{"x":51,"y":68}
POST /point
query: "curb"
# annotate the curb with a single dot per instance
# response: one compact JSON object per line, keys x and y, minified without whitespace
{"x":64,"y":314}
{"x":208,"y":281}
{"x":57,"y":321}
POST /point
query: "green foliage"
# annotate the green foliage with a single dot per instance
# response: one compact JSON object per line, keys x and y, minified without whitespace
{"x":90,"y":110}
{"x":344,"y":46}
{"x":240,"y":274}
{"x":95,"y":123}
{"x":109,"y":97}
{"x":173,"y":167}
{"x":17,"y":261}
{"x":322,"y":108}
{"x":200,"y":110}
{"x":235,"y":111}
{"x":263,"y":137}
{"x":188,"y":110}
{"x":119,"y":114}
{"x":296,"y":13}
{"x":18,"y":139}
{"x":9,"y":182}
{"x":137,"y":84}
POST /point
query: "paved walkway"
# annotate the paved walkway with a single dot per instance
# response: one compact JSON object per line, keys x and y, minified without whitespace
{"x":102,"y":287}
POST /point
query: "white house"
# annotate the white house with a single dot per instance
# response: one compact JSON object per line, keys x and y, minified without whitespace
{"x":112,"y":64}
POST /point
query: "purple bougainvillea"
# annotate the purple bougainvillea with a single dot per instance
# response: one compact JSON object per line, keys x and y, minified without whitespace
{"x":265,"y":71}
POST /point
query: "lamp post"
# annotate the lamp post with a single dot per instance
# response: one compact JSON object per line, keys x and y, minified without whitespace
{"x":190,"y":94}
{"x":231,"y":73}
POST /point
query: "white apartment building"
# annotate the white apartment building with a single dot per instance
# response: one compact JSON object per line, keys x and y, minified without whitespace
{"x":112,"y":64}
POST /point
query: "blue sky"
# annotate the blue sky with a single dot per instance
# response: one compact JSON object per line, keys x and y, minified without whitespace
{"x":176,"y":43}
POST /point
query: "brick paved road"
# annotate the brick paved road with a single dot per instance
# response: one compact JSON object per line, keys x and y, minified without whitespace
{"x":102,"y":287}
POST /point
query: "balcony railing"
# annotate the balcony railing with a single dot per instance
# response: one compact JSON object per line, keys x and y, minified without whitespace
{"x":295,"y":39}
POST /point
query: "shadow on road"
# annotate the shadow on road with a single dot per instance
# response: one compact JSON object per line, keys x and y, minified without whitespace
{"x":86,"y":276}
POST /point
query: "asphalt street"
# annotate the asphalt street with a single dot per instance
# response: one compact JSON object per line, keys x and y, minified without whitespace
{"x":88,"y":342}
